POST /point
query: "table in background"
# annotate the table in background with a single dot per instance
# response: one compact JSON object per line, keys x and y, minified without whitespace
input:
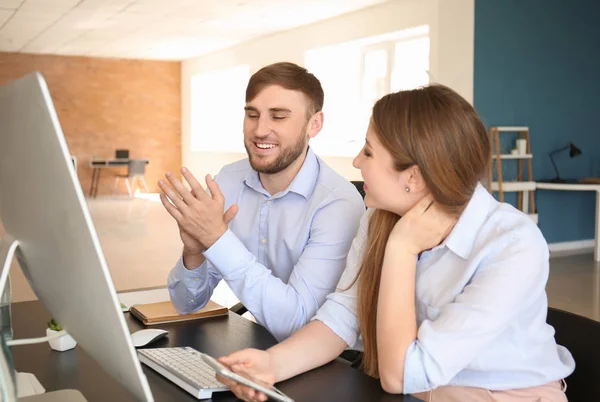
{"x":98,"y":164}
{"x":218,"y":336}
{"x":579,"y":187}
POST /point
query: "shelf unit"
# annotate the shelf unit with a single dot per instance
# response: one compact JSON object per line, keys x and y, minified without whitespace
{"x":513,"y":186}
{"x":511,"y":156}
{"x":524,"y":188}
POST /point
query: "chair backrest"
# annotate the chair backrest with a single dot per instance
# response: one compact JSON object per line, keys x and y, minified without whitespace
{"x":122,"y":154}
{"x":136,"y":167}
{"x":582,"y":337}
{"x":359,"y":186}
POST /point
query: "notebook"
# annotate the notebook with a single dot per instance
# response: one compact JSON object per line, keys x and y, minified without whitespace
{"x":163,"y":312}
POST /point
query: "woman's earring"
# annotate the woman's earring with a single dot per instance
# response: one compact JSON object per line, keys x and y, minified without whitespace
{"x":407,"y":189}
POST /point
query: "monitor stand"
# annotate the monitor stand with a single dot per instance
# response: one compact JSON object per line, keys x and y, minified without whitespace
{"x":8,"y":247}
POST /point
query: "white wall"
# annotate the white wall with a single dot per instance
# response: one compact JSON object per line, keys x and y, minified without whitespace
{"x":451,"y":25}
{"x":452,"y":32}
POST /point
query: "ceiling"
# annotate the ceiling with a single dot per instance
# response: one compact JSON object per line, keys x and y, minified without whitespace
{"x":153,"y":29}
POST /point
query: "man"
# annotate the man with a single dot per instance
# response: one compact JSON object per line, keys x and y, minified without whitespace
{"x":286,"y":248}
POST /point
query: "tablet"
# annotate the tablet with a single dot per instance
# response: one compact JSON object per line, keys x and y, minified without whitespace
{"x":270,"y":391}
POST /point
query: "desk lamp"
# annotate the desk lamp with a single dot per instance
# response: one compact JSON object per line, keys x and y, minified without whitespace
{"x":573,"y":152}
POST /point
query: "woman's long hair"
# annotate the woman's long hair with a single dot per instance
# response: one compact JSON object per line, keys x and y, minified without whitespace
{"x":440,"y":132}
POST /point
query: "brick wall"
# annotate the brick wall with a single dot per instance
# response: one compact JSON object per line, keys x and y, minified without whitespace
{"x":105,"y":104}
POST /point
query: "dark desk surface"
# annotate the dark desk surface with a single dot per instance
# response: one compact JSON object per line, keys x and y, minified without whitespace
{"x":218,"y":336}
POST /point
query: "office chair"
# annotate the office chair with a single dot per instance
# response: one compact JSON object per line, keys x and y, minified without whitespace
{"x":359,"y":186}
{"x":582,"y":337}
{"x":238,"y":308}
{"x":136,"y":169}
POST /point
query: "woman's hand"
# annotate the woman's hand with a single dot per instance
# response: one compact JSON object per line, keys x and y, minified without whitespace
{"x":254,"y":364}
{"x":423,"y":227}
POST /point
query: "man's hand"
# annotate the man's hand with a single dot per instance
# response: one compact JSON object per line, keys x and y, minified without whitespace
{"x":199,"y":215}
{"x":192,"y":251}
{"x":191,"y":246}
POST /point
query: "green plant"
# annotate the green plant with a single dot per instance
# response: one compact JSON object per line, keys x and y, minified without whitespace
{"x":54,"y":326}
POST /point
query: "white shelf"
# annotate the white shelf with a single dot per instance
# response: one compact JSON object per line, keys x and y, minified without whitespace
{"x":508,"y":186}
{"x":512,"y":128}
{"x":511,"y":156}
{"x":534,"y":217}
{"x":568,"y":186}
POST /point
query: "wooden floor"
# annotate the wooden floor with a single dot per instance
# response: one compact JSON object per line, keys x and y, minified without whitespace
{"x":574,"y":285}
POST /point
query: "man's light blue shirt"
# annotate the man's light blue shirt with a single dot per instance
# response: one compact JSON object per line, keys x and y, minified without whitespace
{"x":481,"y":305}
{"x":283,"y":253}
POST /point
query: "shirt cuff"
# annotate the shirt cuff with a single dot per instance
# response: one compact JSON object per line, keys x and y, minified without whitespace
{"x":182,"y":272}
{"x":339,"y":320}
{"x":228,"y":255}
{"x":415,"y":379}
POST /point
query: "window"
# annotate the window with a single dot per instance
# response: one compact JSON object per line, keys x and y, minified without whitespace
{"x":338,"y":69}
{"x":356,"y":74}
{"x":217,"y":110}
{"x":411,"y":64}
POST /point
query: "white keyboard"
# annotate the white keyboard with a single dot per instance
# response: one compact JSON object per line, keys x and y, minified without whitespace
{"x":184,"y":367}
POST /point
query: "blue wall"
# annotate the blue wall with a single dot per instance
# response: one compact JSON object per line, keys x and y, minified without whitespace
{"x":537,"y":64}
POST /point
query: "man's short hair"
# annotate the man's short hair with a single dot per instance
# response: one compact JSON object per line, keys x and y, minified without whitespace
{"x":289,"y":76}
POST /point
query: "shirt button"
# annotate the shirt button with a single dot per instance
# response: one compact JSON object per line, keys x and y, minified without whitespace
{"x":196,"y":279}
{"x":263,"y":240}
{"x":269,"y":202}
{"x":192,"y":300}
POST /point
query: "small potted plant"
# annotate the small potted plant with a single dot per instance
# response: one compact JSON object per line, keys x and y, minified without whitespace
{"x":63,"y":343}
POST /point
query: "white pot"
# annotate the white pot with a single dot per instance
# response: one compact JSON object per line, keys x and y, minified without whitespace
{"x":61,"y":344}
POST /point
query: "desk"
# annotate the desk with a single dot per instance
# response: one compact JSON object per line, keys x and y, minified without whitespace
{"x":216,"y":336}
{"x":579,"y":187}
{"x":98,"y":164}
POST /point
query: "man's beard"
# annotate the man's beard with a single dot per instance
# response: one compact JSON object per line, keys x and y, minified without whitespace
{"x":285,"y":158}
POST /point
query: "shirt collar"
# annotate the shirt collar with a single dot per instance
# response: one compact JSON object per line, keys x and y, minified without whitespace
{"x":303,"y":184}
{"x":462,"y":237}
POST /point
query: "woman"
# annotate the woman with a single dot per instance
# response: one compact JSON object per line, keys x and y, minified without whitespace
{"x":445,"y":286}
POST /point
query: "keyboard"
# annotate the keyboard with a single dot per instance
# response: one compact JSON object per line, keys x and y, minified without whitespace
{"x":185,"y":368}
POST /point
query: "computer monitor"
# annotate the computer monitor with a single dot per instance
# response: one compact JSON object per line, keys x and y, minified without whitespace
{"x":122,"y":154}
{"x":42,"y":207}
